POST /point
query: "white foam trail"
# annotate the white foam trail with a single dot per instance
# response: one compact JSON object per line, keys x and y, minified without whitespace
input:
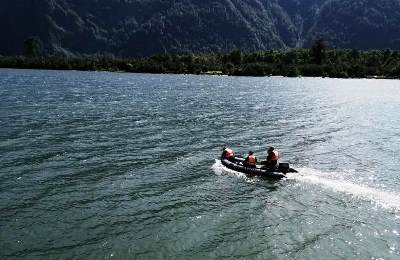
{"x":388,"y":200}
{"x":220,"y":169}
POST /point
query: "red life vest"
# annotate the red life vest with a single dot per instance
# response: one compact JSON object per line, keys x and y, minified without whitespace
{"x":229,"y":153}
{"x":275,"y":156}
{"x":251,"y":160}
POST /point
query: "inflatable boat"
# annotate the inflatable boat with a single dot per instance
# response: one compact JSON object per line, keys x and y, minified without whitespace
{"x":277,"y":172}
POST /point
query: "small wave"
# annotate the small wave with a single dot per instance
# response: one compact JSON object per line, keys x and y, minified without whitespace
{"x":220,"y":169}
{"x":385,"y":199}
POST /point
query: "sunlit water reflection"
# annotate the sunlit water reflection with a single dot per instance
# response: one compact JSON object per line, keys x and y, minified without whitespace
{"x":100,"y":165}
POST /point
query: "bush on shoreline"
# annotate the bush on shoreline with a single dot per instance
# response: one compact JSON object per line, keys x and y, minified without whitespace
{"x":315,"y":62}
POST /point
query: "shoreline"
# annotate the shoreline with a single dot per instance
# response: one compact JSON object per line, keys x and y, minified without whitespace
{"x":201,"y":74}
{"x":333,"y":63}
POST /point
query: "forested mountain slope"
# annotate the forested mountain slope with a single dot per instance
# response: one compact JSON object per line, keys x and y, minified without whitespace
{"x":145,"y":27}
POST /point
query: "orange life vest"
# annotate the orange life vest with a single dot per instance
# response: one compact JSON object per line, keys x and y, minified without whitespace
{"x":229,"y":153}
{"x":275,"y":156}
{"x":251,"y":160}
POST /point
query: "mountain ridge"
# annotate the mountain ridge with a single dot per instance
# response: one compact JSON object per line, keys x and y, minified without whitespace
{"x":145,"y":27}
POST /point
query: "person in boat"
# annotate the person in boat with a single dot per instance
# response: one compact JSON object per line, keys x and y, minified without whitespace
{"x":272,"y":157}
{"x":228,"y":153}
{"x":250,"y":160}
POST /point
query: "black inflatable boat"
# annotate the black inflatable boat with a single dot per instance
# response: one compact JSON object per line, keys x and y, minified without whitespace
{"x":277,"y":172}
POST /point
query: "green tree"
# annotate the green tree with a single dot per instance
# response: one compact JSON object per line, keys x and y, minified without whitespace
{"x":235,"y":57}
{"x":318,"y":51}
{"x":33,"y":46}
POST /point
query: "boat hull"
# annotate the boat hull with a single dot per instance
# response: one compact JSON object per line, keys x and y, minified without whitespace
{"x":262,"y":171}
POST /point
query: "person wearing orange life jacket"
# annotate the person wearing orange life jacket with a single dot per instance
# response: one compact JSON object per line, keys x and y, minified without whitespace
{"x":250,"y":160}
{"x":228,"y":153}
{"x":272,"y":158}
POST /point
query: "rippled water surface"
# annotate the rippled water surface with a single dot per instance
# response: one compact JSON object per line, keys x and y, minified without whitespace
{"x":109,"y":165}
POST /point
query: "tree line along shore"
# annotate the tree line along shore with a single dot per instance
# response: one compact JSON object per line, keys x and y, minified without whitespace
{"x":317,"y":61}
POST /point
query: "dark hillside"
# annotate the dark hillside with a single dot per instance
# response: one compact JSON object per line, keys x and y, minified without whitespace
{"x":145,"y":27}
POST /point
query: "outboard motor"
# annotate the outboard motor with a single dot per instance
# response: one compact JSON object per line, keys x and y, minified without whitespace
{"x":284,"y":167}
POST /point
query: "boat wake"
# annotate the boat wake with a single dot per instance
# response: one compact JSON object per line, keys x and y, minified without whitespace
{"x":384,"y":199}
{"x":220,"y":169}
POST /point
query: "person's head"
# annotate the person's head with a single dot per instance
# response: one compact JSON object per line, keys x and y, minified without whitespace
{"x":251,"y":153}
{"x":223,"y":149}
{"x":270,"y":149}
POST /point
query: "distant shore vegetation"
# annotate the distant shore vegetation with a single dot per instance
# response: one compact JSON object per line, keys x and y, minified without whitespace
{"x":318,"y":61}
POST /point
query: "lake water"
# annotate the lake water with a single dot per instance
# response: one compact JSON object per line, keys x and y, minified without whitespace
{"x":123,"y":166}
